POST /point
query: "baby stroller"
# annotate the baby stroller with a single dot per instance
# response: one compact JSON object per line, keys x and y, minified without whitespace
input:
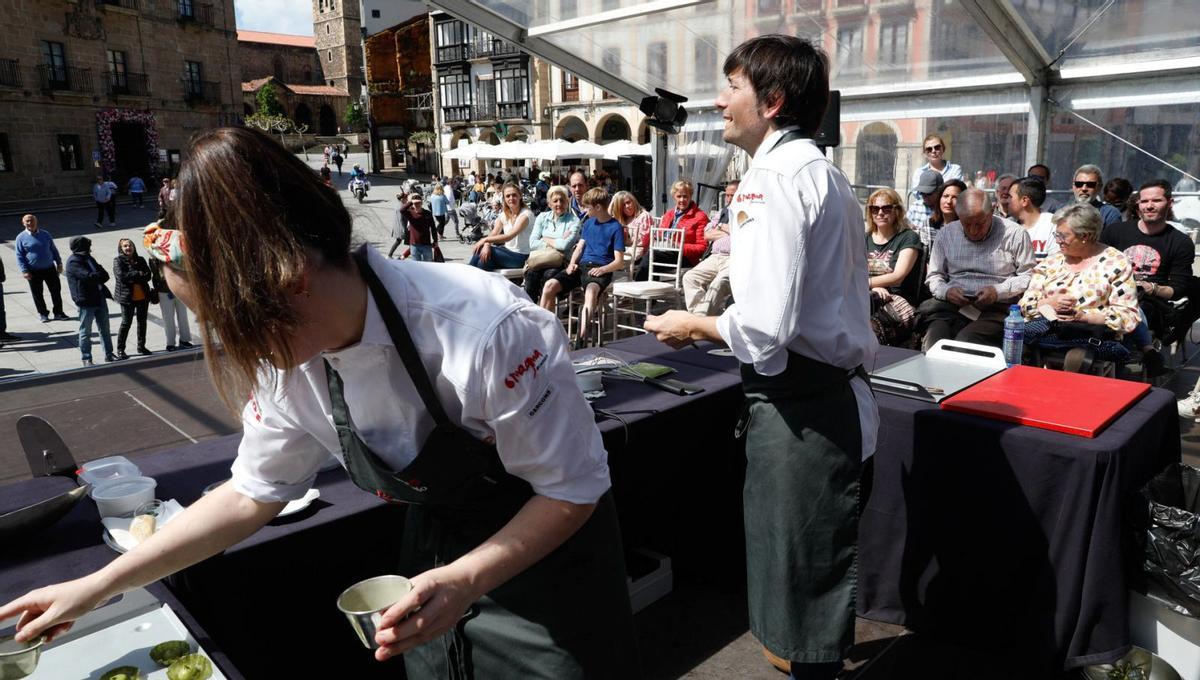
{"x":473,"y":224}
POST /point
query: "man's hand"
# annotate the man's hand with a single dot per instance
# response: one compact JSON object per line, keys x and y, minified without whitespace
{"x":597,"y":271}
{"x":571,"y":268}
{"x":673,"y":328}
{"x":986,"y":297}
{"x":955,"y":297}
{"x":28,"y":275}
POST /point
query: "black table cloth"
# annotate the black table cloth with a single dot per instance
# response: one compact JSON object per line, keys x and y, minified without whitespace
{"x":1007,"y":533}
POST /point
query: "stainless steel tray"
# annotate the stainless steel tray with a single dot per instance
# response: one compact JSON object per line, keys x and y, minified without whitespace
{"x":949,"y":367}
{"x":119,"y":634}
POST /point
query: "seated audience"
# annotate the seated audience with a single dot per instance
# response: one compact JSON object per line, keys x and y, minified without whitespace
{"x":686,"y":216}
{"x":1117,"y":192}
{"x":1086,"y":187}
{"x":1162,"y":264}
{"x":706,"y":286}
{"x":550,"y":243}
{"x":1003,"y":184}
{"x":1084,"y":283}
{"x":982,"y":262}
{"x":1026,"y":198}
{"x":511,"y":229}
{"x":894,"y":264}
{"x":947,"y":200}
{"x":924,"y":203}
{"x":1042,"y":172}
{"x":598,"y":253}
{"x":634,"y":219}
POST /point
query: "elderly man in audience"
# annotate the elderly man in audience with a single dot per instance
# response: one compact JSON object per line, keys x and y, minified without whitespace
{"x":1089,"y":181}
{"x":707,"y":284}
{"x":1085,"y":282}
{"x":979,"y":264}
{"x":920,"y":212}
{"x":1026,"y":198}
{"x":1003,"y":184}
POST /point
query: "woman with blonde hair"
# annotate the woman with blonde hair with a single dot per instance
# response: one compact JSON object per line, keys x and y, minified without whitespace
{"x":511,"y":229}
{"x":437,"y":387}
{"x":554,"y":234}
{"x":895,"y":266}
{"x":634,"y":219}
{"x":934,"y":149}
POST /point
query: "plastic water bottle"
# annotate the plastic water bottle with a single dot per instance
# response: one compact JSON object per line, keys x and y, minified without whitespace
{"x":1014,"y":336}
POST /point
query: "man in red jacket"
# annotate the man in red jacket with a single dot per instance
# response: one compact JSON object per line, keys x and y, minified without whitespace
{"x":686,"y":216}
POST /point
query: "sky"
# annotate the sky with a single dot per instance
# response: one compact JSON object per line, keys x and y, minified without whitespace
{"x":276,"y":16}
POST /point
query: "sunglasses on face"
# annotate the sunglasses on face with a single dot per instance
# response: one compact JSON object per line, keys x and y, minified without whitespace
{"x":884,"y":209}
{"x":935,"y":147}
{"x":1080,"y":185}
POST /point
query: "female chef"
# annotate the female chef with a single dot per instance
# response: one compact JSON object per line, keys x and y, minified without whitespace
{"x":438,"y":386}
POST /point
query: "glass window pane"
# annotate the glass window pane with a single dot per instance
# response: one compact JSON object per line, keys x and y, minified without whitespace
{"x":1131,"y":30}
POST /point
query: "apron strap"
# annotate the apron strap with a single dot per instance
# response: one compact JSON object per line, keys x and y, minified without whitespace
{"x":788,"y":136}
{"x":401,"y":339}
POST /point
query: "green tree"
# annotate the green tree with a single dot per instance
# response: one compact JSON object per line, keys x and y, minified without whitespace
{"x":268,"y":103}
{"x":354,"y":117}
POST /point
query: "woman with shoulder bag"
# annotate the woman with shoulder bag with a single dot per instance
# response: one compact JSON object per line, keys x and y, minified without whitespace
{"x":554,"y":234}
{"x":133,"y":294}
{"x":894,"y":264}
{"x":1083,"y":298}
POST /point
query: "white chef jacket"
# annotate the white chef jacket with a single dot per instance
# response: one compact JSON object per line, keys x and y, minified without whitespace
{"x":498,"y":364}
{"x":798,"y":269}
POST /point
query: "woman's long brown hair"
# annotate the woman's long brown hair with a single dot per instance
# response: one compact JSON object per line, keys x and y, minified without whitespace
{"x":253,"y":216}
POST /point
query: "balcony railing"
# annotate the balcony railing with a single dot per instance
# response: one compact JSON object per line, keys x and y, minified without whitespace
{"x":65,"y":78}
{"x":514,"y":110}
{"x":195,"y":12}
{"x":456,"y":114}
{"x":10,"y":72}
{"x":127,"y":4}
{"x":128,"y":84}
{"x":475,"y":49}
{"x":201,"y":92}
{"x":485,"y":112}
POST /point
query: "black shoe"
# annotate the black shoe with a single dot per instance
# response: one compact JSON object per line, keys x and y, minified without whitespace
{"x":171,"y":348}
{"x":44,"y":318}
{"x":186,"y":345}
{"x":8,"y":337}
{"x":108,"y":358}
{"x":1152,"y":361}
{"x":121,"y":355}
{"x":61,"y":317}
{"x":144,"y":352}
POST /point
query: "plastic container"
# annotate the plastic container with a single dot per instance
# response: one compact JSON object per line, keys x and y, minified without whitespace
{"x":122,"y":497}
{"x":1014,"y":336}
{"x":106,"y":470}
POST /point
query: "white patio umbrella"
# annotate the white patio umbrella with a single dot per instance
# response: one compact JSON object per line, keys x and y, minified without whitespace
{"x":557,"y":149}
{"x":624,"y":147}
{"x":464,"y":152}
{"x":491,"y":151}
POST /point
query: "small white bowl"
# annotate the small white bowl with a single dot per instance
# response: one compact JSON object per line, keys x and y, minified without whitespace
{"x":122,"y":497}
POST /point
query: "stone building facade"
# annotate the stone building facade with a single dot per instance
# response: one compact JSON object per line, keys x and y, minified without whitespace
{"x":114,"y":87}
{"x":399,"y":84}
{"x":303,"y":85}
{"x":337,"y":28}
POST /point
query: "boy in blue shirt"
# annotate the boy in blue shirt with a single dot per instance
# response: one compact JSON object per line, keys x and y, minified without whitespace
{"x":599,"y":252}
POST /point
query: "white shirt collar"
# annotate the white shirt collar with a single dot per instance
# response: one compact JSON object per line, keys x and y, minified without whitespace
{"x":769,"y":143}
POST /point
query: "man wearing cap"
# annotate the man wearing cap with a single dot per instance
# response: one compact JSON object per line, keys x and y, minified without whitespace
{"x":85,"y":278}
{"x":919,"y":211}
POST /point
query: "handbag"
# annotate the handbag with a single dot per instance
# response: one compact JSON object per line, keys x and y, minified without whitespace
{"x":1100,"y":339}
{"x":154,"y":296}
{"x":544,"y":258}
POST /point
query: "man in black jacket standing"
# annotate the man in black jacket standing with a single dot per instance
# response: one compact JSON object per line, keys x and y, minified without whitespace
{"x":85,"y":278}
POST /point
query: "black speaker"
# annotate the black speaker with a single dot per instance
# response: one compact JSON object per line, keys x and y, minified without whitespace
{"x":830,"y":132}
{"x":637,"y":178}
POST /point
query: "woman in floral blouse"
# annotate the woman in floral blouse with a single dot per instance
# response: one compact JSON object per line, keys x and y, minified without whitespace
{"x":1085,"y":282}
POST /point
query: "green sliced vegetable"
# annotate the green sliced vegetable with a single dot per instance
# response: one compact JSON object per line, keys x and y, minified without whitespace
{"x":190,"y":667}
{"x":122,"y":673}
{"x":164,"y":653}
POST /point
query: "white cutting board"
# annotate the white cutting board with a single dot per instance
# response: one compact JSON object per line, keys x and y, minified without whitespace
{"x":119,"y":634}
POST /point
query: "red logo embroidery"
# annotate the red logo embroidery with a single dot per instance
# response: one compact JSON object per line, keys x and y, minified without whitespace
{"x":254,"y":407}
{"x":533,"y":362}
{"x":754,"y":198}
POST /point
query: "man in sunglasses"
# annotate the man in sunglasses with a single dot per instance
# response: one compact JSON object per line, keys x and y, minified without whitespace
{"x":1087,"y":185}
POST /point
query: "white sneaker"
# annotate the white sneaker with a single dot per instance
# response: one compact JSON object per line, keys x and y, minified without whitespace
{"x":1189,"y":406}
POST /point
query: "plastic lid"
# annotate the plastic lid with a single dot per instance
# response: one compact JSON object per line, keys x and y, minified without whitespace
{"x":126,"y":486}
{"x":108,"y":470}
{"x":1014,"y":308}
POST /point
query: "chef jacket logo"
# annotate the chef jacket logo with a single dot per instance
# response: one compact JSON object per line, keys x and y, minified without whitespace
{"x":749,"y":198}
{"x":743,"y":219}
{"x":531,"y":363}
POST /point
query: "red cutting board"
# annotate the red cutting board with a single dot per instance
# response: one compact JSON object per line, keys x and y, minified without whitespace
{"x":1073,"y":403}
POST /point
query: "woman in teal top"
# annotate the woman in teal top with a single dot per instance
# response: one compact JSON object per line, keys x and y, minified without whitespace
{"x":557,"y":229}
{"x":438,"y":206}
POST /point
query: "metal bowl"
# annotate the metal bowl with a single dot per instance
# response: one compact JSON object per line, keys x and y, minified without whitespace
{"x":19,"y":659}
{"x":29,"y":519}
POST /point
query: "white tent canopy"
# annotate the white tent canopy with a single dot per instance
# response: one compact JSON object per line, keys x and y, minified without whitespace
{"x":624,"y":147}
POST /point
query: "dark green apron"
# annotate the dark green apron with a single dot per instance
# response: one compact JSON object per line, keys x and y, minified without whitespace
{"x":803,"y":457}
{"x":565,"y":617}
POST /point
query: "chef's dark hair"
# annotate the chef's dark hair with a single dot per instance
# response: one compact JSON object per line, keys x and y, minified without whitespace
{"x":253,"y":217}
{"x":787,"y":67}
